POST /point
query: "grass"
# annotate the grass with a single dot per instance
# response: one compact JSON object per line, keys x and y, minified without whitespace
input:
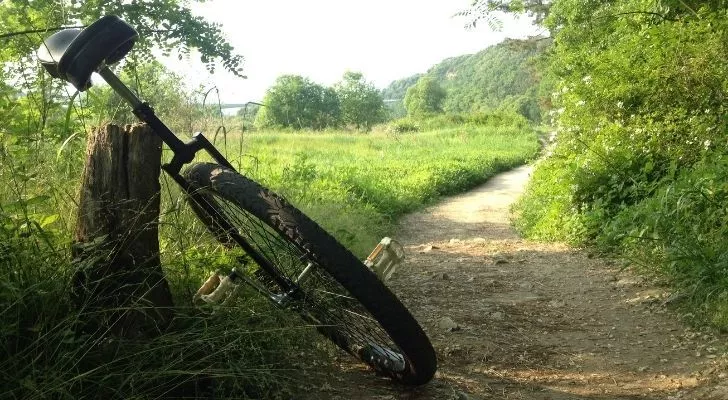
{"x":355,"y":185}
{"x":358,"y":185}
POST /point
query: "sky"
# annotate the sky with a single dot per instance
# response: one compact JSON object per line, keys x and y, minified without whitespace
{"x":321,"y":39}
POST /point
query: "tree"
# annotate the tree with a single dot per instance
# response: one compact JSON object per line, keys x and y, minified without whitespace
{"x":166,"y":25}
{"x":490,"y":11}
{"x":361,"y":103}
{"x":297,"y":102}
{"x":424,"y":98}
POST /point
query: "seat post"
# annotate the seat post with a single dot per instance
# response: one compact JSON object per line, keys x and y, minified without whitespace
{"x":119,"y":87}
{"x":183,"y":153}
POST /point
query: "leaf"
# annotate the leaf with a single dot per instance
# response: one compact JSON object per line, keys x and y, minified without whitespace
{"x":21,"y":204}
{"x":649,"y":166}
{"x":49,"y":219}
{"x":64,"y":144}
{"x":67,"y":123}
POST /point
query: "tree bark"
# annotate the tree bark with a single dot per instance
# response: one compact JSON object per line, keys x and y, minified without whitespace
{"x":119,"y":284}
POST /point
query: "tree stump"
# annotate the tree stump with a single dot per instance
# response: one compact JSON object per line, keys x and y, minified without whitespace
{"x":119,"y":284}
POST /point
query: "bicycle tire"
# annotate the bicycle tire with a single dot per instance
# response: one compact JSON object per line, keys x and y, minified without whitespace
{"x":359,"y":287}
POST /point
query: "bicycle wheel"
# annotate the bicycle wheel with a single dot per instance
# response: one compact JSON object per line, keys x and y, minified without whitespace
{"x":333,"y":289}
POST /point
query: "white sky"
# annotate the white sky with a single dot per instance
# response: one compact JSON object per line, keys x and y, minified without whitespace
{"x":321,"y":39}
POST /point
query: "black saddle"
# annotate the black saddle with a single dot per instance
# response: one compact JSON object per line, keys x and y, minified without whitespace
{"x":74,"y":54}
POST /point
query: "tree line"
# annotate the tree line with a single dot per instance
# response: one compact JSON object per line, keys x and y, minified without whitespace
{"x":299,"y":103}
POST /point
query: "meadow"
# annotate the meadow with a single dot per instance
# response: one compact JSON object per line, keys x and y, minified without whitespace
{"x":356,"y":185}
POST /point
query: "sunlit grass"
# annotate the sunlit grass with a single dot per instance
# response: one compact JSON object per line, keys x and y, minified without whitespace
{"x":357,"y":185}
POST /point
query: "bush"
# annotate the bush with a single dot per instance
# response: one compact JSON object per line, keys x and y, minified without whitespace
{"x":424,"y":97}
{"x":684,"y":227}
{"x":443,"y":121}
{"x":402,"y":126}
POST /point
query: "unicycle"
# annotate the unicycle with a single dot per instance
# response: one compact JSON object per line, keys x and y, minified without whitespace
{"x":295,"y":263}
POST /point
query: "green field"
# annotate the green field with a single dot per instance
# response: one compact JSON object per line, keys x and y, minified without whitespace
{"x":358,"y":185}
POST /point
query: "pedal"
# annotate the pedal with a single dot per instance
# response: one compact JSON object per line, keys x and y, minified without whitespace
{"x":219,"y":289}
{"x":385,"y":258}
{"x":208,"y":287}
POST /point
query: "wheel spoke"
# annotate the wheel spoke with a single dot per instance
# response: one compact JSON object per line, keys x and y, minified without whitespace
{"x":321,"y":296}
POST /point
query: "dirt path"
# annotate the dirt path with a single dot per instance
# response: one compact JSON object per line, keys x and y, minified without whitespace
{"x":513,"y":319}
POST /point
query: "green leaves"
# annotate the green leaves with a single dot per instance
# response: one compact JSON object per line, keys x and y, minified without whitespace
{"x":424,"y":98}
{"x":34,"y":107}
{"x":297,"y":102}
{"x":491,"y":10}
{"x":361,"y":104}
{"x":639,"y":114}
{"x":166,"y":25}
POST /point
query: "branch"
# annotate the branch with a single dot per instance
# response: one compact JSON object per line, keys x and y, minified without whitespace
{"x":58,"y":28}
{"x":640,"y":12}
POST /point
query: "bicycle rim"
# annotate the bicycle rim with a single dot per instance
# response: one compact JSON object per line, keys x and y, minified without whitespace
{"x":320,"y":299}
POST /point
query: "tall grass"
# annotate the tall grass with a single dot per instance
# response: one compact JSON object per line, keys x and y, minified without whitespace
{"x":355,"y":185}
{"x":45,"y":349}
{"x":358,"y":185}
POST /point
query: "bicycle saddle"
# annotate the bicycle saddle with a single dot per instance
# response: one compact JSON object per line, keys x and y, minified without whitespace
{"x":74,"y":54}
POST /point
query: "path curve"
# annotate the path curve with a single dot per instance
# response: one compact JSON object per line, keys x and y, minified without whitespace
{"x":515,"y":319}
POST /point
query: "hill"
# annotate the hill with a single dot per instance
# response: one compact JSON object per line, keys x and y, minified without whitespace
{"x":500,"y":77}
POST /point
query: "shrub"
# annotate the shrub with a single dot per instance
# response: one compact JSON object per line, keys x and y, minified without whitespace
{"x":679,"y":235}
{"x":402,"y":126}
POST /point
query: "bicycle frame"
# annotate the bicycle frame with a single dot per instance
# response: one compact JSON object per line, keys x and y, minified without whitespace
{"x":184,"y":153}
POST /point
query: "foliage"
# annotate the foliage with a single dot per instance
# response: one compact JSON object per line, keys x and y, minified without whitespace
{"x":639,"y":113}
{"x":470,"y":120}
{"x":424,"y":98}
{"x":490,"y":10}
{"x":403,"y":125}
{"x":361,"y":103}
{"x":39,"y":108}
{"x":394,"y":95}
{"x":152,"y":82}
{"x":166,"y":25}
{"x":249,"y":113}
{"x":297,"y":102}
{"x":685,"y":224}
{"x":503,"y":77}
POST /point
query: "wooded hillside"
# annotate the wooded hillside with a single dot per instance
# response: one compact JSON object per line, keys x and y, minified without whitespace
{"x":502,"y":77}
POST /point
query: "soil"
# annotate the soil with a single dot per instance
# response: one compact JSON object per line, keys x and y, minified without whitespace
{"x":516,"y":319}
